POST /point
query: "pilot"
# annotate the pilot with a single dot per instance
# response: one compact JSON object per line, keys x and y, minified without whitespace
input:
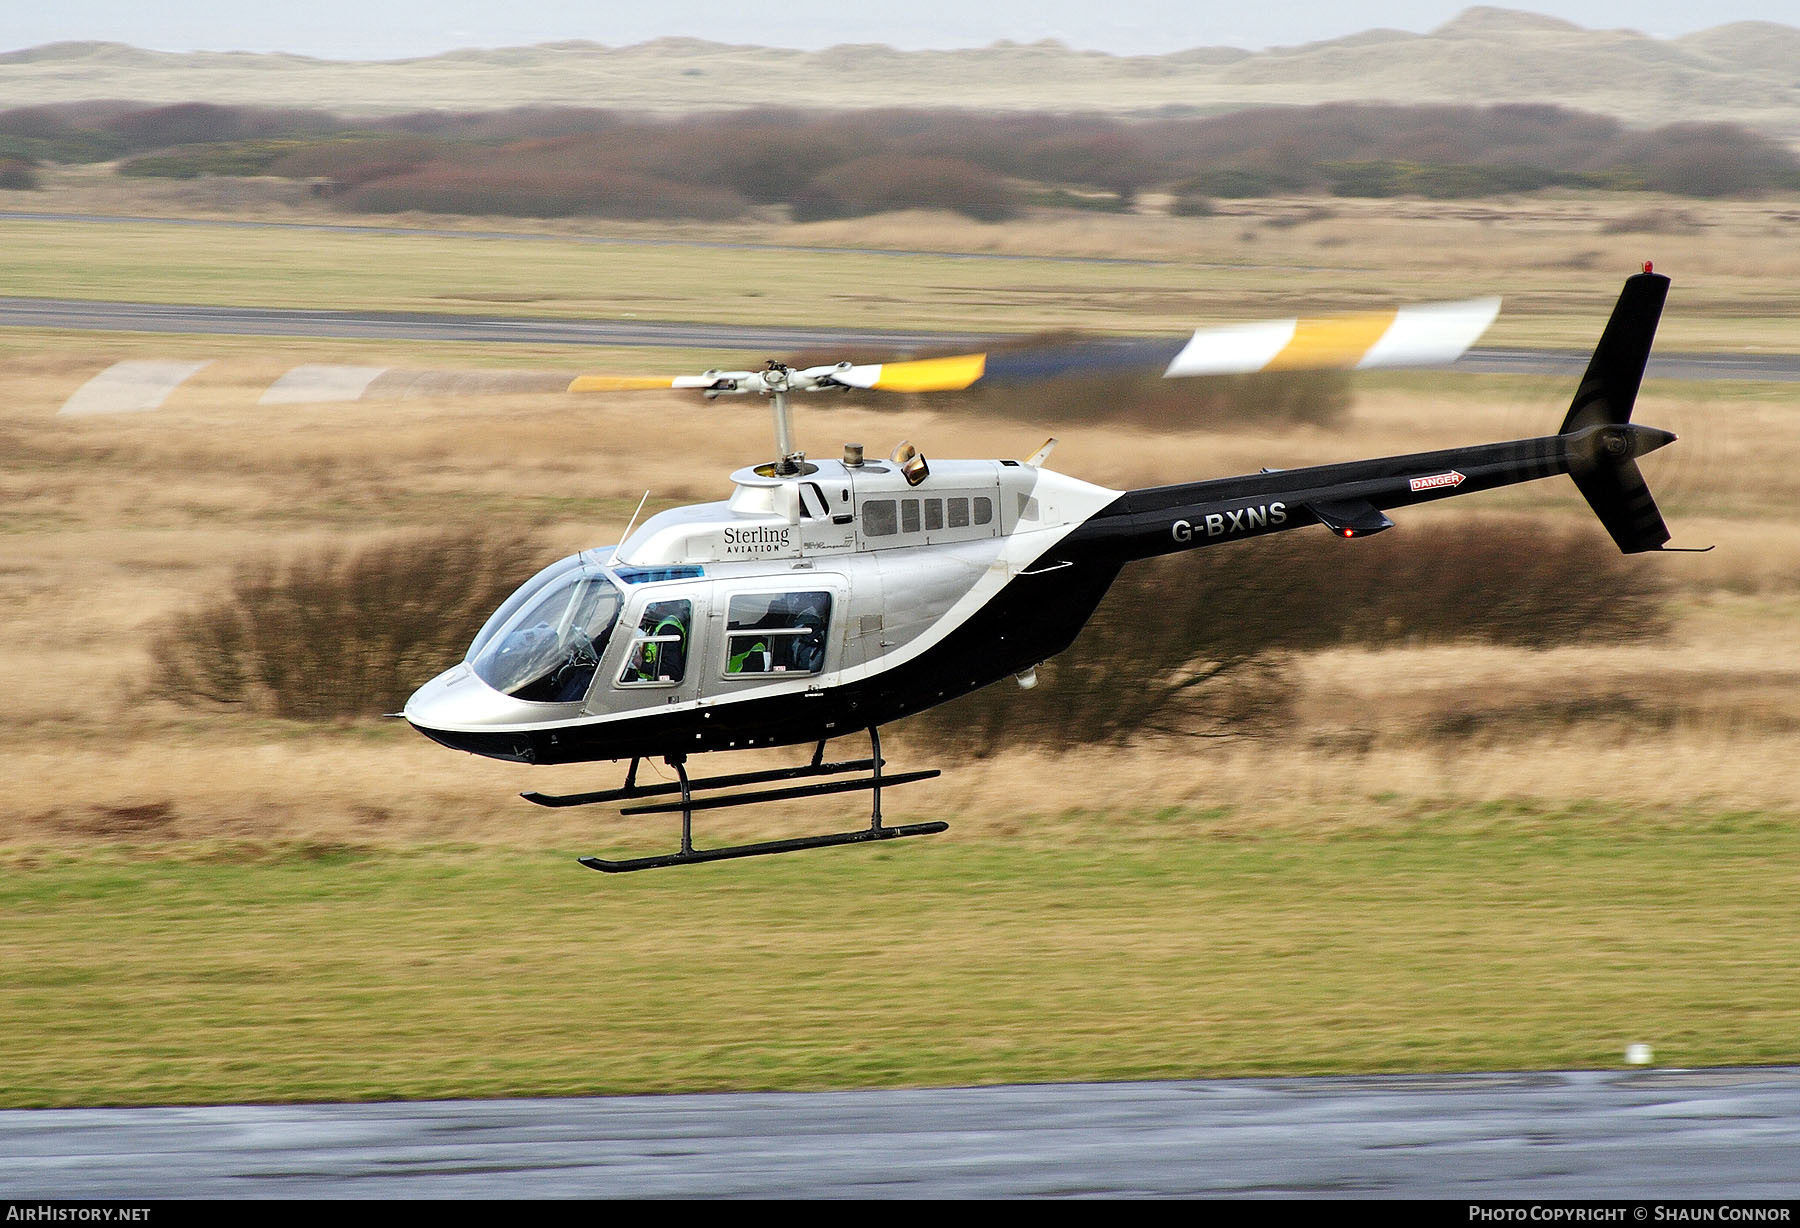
{"x":809,"y":650}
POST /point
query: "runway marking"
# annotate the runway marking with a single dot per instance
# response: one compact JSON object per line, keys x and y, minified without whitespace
{"x":130,"y":387}
{"x":321,"y":382}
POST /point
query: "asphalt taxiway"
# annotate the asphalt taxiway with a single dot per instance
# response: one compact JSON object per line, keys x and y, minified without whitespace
{"x":99,"y":316}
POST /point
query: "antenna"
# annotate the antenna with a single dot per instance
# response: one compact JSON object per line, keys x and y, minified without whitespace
{"x":631,"y":524}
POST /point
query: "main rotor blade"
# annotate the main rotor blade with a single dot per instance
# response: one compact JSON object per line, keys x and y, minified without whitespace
{"x":1426,"y":335}
{"x":619,"y":383}
{"x":917,"y":375}
{"x":1430,"y":334}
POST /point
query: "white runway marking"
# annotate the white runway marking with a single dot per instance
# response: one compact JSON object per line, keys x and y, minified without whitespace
{"x":130,"y":387}
{"x":319,"y":382}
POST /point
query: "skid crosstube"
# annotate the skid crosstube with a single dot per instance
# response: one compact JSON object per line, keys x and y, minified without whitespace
{"x":782,"y":795}
{"x":633,"y":791}
{"x":688,"y":854}
{"x":862,"y":836}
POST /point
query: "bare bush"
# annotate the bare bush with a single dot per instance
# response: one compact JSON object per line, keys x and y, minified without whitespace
{"x":341,"y":633}
{"x":1710,"y":160}
{"x":192,"y":123}
{"x":1198,"y":645}
{"x":877,"y":185}
{"x":557,"y":161}
{"x":1654,"y":222}
{"x":17,"y":175}
{"x":352,"y":162}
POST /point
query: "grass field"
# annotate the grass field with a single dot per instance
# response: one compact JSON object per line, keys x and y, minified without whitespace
{"x":1457,"y":857}
{"x":1471,"y":938}
{"x":1557,"y":259}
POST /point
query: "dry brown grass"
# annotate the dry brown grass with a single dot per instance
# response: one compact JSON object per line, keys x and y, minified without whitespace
{"x":113,"y":523}
{"x":110,"y":524}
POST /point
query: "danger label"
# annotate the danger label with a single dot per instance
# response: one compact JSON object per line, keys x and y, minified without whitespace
{"x":1437,"y":480}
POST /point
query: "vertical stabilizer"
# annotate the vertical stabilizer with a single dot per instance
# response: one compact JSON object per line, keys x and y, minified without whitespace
{"x":1604,"y":447}
{"x":1610,"y":387}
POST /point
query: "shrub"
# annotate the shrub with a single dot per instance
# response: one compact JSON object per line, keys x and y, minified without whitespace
{"x":545,"y":161}
{"x":1192,"y":204}
{"x":591,"y":191}
{"x":341,"y":633}
{"x":17,"y":175}
{"x":192,"y":161}
{"x":352,"y":161}
{"x":1710,"y":160}
{"x":880,"y":184}
{"x":195,"y":123}
{"x":1654,"y":222}
{"x":1198,"y":645}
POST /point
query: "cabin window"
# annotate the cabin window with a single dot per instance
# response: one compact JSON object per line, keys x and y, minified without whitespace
{"x":776,"y":633}
{"x":984,"y":511}
{"x":658,"y":654}
{"x":959,"y":513}
{"x":934,"y":515}
{"x":909,"y":515}
{"x":879,"y":518}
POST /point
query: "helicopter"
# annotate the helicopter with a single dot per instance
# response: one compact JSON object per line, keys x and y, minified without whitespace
{"x":827,"y":598}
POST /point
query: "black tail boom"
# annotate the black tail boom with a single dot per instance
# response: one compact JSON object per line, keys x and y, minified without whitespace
{"x":1165,"y":519}
{"x":1598,"y":446}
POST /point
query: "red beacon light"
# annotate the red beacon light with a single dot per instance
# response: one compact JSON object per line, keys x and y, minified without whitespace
{"x":1649,"y":267}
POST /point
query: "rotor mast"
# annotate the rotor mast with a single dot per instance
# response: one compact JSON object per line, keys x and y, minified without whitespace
{"x":776,"y":385}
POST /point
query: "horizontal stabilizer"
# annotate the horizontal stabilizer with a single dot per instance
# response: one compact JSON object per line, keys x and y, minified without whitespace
{"x":1618,"y":495}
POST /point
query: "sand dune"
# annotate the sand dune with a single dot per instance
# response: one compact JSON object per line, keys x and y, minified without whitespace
{"x":1740,"y":72}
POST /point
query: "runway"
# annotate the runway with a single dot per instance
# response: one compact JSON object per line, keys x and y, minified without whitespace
{"x":85,"y":315}
{"x":97,"y":316}
{"x":1583,"y":1134}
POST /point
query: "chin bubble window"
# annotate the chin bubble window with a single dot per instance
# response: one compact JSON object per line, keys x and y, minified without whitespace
{"x":776,"y":633}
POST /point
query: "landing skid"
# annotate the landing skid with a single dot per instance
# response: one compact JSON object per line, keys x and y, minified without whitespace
{"x":688,"y":804}
{"x":771,"y":846}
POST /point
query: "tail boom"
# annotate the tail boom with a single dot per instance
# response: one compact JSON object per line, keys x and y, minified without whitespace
{"x":1166,"y":519}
